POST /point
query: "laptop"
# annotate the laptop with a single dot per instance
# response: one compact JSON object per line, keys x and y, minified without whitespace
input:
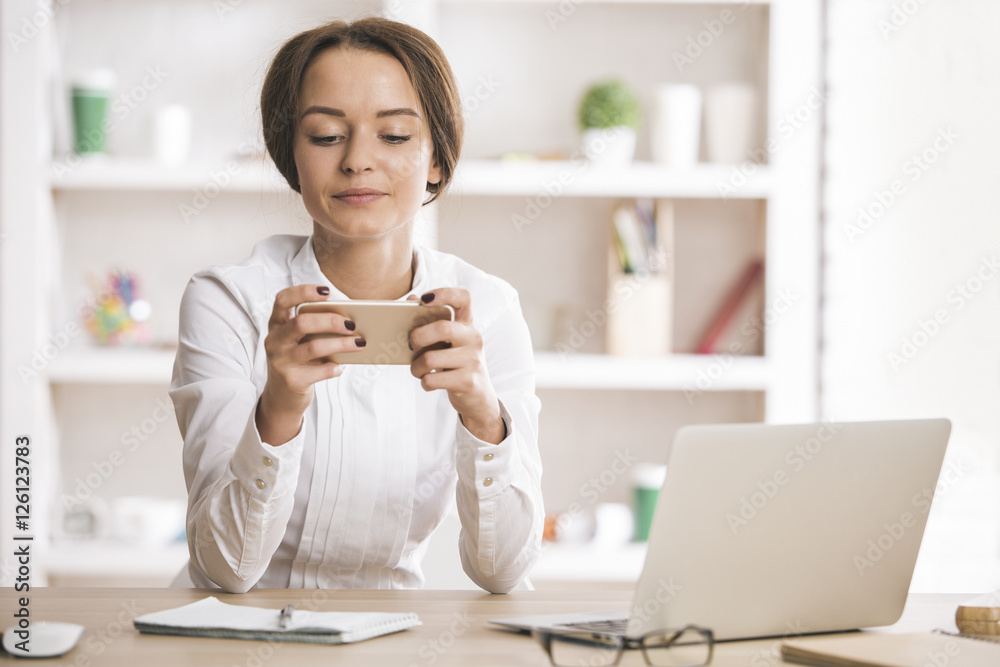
{"x":776,"y":530}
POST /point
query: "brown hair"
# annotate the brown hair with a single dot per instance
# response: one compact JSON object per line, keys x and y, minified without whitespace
{"x":421,"y":57}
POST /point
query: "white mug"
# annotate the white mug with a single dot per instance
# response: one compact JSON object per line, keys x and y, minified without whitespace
{"x":730,"y":117}
{"x":172,"y":134}
{"x":676,"y":125}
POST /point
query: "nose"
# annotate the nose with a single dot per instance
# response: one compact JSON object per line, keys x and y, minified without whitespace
{"x":358,"y":156}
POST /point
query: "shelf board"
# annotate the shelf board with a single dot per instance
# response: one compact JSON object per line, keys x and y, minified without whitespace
{"x":544,"y":178}
{"x":112,"y":365}
{"x":615,"y":2}
{"x":110,"y":173}
{"x":110,"y":557}
{"x":679,"y":372}
{"x":589,"y":562}
{"x":474,"y":177}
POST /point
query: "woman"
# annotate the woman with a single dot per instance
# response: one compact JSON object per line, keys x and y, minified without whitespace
{"x":310,"y":474}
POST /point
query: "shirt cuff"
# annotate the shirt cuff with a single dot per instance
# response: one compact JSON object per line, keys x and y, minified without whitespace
{"x":486,"y":467}
{"x":266,"y":472}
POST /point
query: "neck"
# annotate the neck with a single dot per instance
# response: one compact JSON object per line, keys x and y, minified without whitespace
{"x":376,"y":269}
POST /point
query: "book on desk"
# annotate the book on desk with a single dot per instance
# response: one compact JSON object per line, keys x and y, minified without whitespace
{"x":881,"y":649}
{"x":210,"y":617}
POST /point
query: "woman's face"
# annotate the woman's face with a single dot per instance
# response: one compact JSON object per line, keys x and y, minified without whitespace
{"x":361,"y":126}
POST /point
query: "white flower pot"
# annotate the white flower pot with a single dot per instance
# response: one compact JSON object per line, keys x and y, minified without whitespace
{"x":609,"y":147}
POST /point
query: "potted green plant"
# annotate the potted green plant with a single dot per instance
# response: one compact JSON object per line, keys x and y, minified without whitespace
{"x":609,"y":117}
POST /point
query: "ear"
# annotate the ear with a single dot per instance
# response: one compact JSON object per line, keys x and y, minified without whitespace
{"x":434,"y":173}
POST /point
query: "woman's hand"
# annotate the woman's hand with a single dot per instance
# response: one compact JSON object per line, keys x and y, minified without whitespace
{"x":459,"y":369}
{"x":294,"y":366}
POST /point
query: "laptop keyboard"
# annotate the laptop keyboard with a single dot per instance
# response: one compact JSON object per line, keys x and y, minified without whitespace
{"x":609,"y":626}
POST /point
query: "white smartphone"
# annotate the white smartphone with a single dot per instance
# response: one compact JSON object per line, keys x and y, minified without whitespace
{"x":385,"y":326}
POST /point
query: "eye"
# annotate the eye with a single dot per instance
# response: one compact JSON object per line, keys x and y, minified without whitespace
{"x":396,"y":139}
{"x":323,"y":141}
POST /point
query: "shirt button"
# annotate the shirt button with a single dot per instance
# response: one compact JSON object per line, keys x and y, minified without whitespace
{"x":267,"y":461}
{"x":488,"y":457}
{"x":261,"y":484}
{"x":487,"y":481}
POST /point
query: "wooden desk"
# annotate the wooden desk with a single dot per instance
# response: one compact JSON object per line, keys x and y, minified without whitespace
{"x":454,"y":630}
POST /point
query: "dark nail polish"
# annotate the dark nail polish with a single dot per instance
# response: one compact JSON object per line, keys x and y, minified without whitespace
{"x":350,"y":325}
{"x":323,"y":289}
{"x":427,"y":298}
{"x":360,"y":342}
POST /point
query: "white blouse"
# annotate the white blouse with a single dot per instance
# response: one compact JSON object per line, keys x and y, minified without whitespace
{"x":352,"y":499}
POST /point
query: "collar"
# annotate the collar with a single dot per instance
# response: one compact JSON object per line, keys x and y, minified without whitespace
{"x":305,"y":269}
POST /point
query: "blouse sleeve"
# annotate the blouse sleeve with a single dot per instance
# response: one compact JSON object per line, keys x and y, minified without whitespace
{"x":240,"y":490}
{"x":499,"y":493}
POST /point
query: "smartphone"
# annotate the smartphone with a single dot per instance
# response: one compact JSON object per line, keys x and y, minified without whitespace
{"x":385,"y":325}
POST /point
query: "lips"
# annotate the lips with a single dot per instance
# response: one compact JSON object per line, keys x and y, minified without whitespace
{"x":359,"y":196}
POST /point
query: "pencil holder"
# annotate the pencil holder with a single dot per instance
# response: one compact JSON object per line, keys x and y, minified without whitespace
{"x":639,"y":303}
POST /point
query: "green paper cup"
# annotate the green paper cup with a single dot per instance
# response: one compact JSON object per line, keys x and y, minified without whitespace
{"x":91,"y":94}
{"x":646,"y":482}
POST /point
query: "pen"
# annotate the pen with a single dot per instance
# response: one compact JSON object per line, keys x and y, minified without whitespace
{"x":286,"y":616}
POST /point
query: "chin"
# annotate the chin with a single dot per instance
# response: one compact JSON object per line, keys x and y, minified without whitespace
{"x":362,"y":230}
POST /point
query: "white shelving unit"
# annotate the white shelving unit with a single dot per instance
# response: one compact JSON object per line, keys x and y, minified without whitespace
{"x":780,"y":52}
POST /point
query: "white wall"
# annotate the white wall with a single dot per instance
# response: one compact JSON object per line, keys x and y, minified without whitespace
{"x":922,"y":80}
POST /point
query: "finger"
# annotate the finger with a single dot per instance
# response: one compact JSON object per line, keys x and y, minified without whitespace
{"x":458,"y":380}
{"x":437,"y":361}
{"x":456,"y":297}
{"x":320,"y":348}
{"x":288,"y":298}
{"x":457,"y":334}
{"x":310,"y":323}
{"x":315,"y":373}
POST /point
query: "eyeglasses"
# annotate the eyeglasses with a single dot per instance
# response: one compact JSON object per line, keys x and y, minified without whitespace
{"x":690,"y":646}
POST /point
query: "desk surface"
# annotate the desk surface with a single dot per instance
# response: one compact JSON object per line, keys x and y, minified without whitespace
{"x":454,"y":630}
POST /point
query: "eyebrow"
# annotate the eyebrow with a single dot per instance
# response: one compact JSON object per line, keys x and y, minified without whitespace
{"x":384,"y":113}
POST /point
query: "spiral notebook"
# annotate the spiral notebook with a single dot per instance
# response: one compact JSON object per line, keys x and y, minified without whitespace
{"x":211,"y":617}
{"x":881,"y":649}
